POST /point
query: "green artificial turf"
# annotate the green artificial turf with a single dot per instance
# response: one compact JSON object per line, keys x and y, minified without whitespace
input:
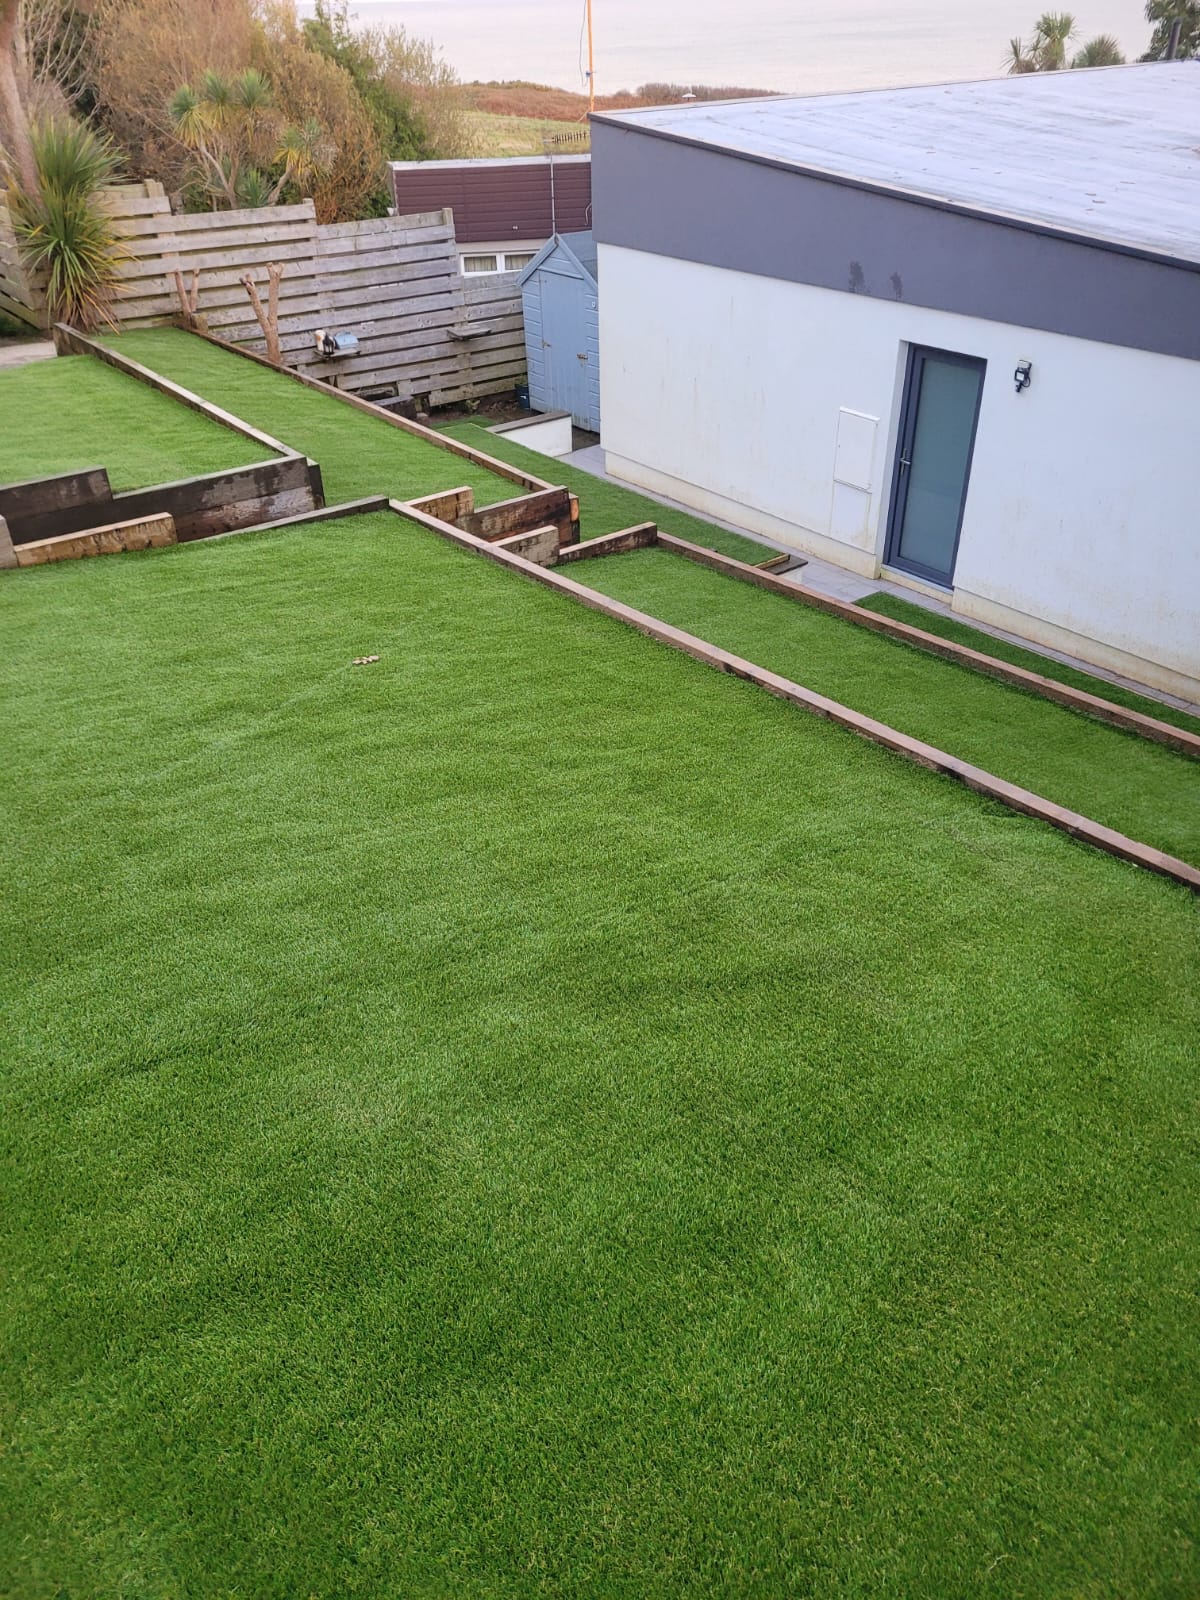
{"x":1143,"y":789}
{"x":607,"y":507}
{"x":74,"y":412}
{"x":890,"y":605}
{"x":359,"y":455}
{"x":536,"y":1116}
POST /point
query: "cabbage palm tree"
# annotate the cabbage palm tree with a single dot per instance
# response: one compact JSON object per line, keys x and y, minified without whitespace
{"x":1020,"y":58}
{"x":1047,"y":49}
{"x":65,"y":234}
{"x":235,"y":135}
{"x":1053,"y":32}
{"x":1102,"y":51}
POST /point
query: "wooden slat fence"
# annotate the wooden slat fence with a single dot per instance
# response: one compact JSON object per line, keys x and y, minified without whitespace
{"x":423,"y":328}
{"x":20,"y":295}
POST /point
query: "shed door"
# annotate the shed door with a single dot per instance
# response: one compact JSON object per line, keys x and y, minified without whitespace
{"x":565,"y":344}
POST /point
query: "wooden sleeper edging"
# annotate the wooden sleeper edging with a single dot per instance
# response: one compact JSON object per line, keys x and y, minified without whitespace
{"x":1023,"y":801}
{"x":1122,"y":717}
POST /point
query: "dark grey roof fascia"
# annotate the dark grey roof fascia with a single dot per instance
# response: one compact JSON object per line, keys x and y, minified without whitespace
{"x":687,"y":200}
{"x":898,"y":192}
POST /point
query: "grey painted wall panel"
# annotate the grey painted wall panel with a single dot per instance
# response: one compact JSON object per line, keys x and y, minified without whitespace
{"x":671,"y":198}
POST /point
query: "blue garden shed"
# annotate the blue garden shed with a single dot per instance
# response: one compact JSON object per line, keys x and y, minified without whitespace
{"x":561,"y":298}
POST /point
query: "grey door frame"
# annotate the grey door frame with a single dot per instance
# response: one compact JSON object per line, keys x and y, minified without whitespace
{"x":914,"y":375}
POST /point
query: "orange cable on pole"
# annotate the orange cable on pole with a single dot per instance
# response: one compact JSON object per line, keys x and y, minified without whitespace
{"x":591,"y":62}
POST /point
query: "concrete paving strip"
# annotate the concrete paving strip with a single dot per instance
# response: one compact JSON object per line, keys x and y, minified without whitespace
{"x":21,"y":352}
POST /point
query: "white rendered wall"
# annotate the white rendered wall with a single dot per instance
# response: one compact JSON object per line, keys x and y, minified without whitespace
{"x":775,"y":405}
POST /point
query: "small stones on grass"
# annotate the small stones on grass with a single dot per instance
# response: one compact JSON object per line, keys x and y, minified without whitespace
{"x":363,"y":661}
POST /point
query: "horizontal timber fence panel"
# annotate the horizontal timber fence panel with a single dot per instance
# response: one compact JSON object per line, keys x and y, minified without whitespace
{"x":423,"y":329}
{"x":22,"y":294}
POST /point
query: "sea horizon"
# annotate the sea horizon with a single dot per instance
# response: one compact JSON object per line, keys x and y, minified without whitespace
{"x":782,"y":45}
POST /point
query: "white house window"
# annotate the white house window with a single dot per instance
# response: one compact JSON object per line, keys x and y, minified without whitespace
{"x":498,"y":261}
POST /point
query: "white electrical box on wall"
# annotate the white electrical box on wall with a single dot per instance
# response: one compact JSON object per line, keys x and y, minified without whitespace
{"x":854,"y":455}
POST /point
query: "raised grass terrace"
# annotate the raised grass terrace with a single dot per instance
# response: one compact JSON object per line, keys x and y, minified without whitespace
{"x":74,"y":412}
{"x":360,"y":455}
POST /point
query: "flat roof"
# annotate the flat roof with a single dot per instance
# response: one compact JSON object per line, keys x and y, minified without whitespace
{"x":1109,"y":153}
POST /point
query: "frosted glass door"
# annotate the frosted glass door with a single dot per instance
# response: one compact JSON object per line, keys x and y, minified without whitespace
{"x":936,"y":439}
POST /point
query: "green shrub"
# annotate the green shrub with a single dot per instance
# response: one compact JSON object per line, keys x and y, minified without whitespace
{"x":10,"y":328}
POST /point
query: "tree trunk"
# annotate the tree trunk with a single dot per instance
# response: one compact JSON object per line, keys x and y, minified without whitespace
{"x":268,"y":320}
{"x":14,"y":118}
{"x":189,"y":301}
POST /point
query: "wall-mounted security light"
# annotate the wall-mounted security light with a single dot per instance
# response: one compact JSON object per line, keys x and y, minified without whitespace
{"x":1023,"y":376}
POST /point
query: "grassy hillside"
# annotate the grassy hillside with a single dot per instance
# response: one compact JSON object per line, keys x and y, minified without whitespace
{"x":520,"y":136}
{"x":540,"y":100}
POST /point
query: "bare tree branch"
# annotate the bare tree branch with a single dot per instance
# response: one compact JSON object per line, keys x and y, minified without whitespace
{"x":189,"y":300}
{"x":268,"y":320}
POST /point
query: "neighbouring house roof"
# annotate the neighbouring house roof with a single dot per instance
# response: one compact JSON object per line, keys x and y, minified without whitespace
{"x":525,"y":198}
{"x":1110,"y":154}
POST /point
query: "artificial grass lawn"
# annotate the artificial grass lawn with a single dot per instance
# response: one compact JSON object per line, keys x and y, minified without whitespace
{"x":547,"y":1118}
{"x":359,"y":455}
{"x":606,"y":507}
{"x":889,"y":605}
{"x":74,"y":412}
{"x":1143,"y":789}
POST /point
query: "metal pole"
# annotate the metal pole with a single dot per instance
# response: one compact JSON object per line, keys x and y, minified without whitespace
{"x":1173,"y":41}
{"x":591,"y":61}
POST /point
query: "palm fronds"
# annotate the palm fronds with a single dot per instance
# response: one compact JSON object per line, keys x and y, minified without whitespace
{"x":1102,"y":51}
{"x":62,"y":228}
